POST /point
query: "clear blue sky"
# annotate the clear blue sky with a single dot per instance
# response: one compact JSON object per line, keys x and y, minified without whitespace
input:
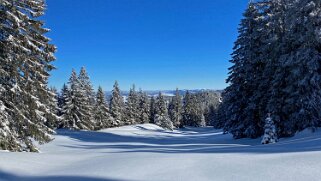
{"x":156,"y":44}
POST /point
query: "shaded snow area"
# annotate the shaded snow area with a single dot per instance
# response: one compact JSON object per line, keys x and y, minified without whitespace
{"x":147,"y":152}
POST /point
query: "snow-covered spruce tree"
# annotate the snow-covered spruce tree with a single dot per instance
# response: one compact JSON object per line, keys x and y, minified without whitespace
{"x":102,"y":116}
{"x":26,"y":60}
{"x":220,"y":117}
{"x":269,"y":33}
{"x":269,"y":96}
{"x":117,"y":106}
{"x":161,"y":114}
{"x":211,"y":116}
{"x":8,"y":138}
{"x":187,"y":106}
{"x":68,"y":107}
{"x":298,"y":76}
{"x":76,"y":112}
{"x":276,"y":69}
{"x":62,"y":98}
{"x":193,"y":114}
{"x":143,"y":107}
{"x":289,"y":86}
{"x":53,"y":122}
{"x":176,"y":109}
{"x":132,"y":114}
{"x":196,"y":112}
{"x":86,"y":86}
{"x":152,"y":110}
{"x":88,"y":92}
{"x":209,"y":102}
{"x":242,"y":113}
{"x":270,"y":135}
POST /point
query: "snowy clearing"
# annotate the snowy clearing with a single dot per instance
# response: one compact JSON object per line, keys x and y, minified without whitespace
{"x":147,"y":152}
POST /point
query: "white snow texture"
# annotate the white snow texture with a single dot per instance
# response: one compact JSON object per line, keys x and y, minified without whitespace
{"x":148,"y":152}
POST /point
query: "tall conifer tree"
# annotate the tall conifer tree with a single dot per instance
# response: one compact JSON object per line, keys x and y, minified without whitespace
{"x":102,"y":116}
{"x":132,"y":107}
{"x":87,"y":92}
{"x":143,"y":107}
{"x":276,"y":69}
{"x":26,"y":58}
{"x":241,"y":116}
{"x":117,"y":106}
{"x":76,"y":114}
{"x":301,"y":61}
{"x":152,"y":110}
{"x":161,"y":113}
{"x":176,"y":109}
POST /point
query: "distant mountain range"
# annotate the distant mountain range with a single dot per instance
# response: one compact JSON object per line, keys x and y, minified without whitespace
{"x":167,"y":93}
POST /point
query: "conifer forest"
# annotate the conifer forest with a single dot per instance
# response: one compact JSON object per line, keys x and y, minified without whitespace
{"x":264,"y":125}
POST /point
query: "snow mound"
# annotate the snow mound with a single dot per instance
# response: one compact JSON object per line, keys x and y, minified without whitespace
{"x":137,"y":127}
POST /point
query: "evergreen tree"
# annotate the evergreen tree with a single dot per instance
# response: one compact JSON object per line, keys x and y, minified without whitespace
{"x":208,"y":102}
{"x":273,"y":80}
{"x":270,"y":135}
{"x":143,"y":107}
{"x":76,"y":114}
{"x":102,"y":116}
{"x":8,"y":138}
{"x":241,"y":115}
{"x":276,"y":69}
{"x":193,"y":114}
{"x":152,"y":110}
{"x":201,"y":108}
{"x":53,"y":122}
{"x":298,"y":75}
{"x":86,"y":85}
{"x":117,"y":106}
{"x":26,"y":58}
{"x":176,"y":109}
{"x":211,"y":116}
{"x":197,"y":112}
{"x":161,"y":114}
{"x":63,"y":95}
{"x":132,"y":114}
{"x":87,"y":91}
{"x":188,"y":106}
{"x":220,"y":117}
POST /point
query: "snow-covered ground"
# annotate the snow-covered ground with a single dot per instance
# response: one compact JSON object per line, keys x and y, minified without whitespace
{"x":147,"y":152}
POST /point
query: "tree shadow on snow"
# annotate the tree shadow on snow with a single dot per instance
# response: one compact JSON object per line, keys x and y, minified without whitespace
{"x":196,"y":140}
{"x":4,"y":176}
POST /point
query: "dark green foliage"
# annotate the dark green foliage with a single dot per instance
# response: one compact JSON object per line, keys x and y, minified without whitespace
{"x":276,"y":69}
{"x":143,"y":107}
{"x":193,"y":114}
{"x":102,"y":117}
{"x":152,"y":110}
{"x":161,"y":113}
{"x":132,"y":107}
{"x":117,"y":107}
{"x":77,"y":112}
{"x":26,"y":58}
{"x":176,"y":110}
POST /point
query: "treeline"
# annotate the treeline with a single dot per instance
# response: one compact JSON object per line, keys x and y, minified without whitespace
{"x":276,"y":69}
{"x":30,"y":111}
{"x":79,"y":108}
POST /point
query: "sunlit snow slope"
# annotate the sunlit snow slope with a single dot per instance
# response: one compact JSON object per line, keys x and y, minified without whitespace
{"x":147,"y":152}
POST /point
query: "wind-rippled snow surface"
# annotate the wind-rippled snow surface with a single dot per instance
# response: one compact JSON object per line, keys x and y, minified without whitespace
{"x":147,"y":153}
